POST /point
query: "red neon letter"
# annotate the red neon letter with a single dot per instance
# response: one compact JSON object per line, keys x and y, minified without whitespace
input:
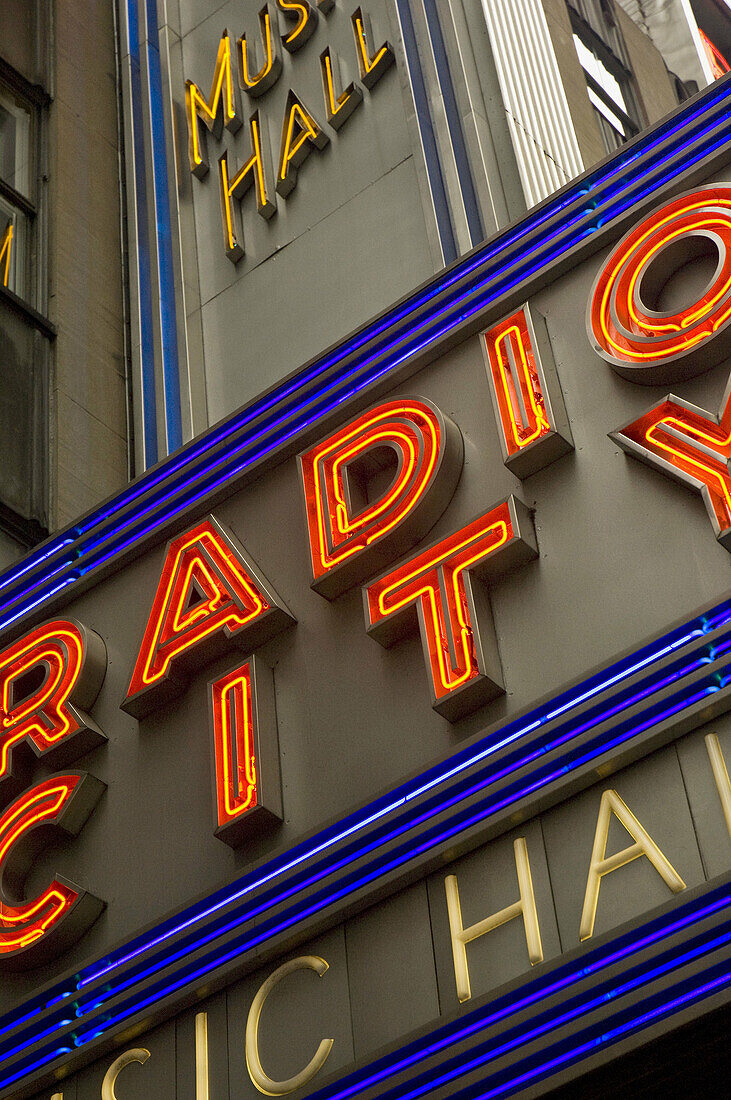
{"x":529,"y":409}
{"x":437,"y":590}
{"x":246,"y":755}
{"x":691,"y":446}
{"x":32,"y":931}
{"x":209,"y":592}
{"x":625,"y":324}
{"x":48,"y":678}
{"x":350,"y":539}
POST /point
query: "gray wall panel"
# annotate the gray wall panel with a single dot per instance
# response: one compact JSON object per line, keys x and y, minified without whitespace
{"x":391,"y":972}
{"x":705,"y":804}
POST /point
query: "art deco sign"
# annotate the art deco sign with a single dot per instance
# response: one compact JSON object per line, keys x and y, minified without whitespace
{"x":383,"y":718}
{"x":301,"y":132}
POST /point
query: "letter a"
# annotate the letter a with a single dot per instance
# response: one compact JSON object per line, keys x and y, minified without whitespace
{"x":602,"y":864}
{"x":209,"y":592}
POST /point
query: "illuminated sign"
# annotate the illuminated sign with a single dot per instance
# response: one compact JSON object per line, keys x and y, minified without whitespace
{"x":260,"y":770}
{"x":246,"y":755}
{"x":650,"y":345}
{"x":48,"y":680}
{"x":316,"y":989}
{"x":353,"y":530}
{"x":208,"y":592}
{"x":529,"y":409}
{"x":300,"y":130}
{"x":440,"y":590}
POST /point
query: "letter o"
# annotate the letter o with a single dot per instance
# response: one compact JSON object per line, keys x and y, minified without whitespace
{"x":655,"y":347}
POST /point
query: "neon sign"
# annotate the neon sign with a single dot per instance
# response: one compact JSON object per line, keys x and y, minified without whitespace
{"x":646,"y":345}
{"x":439,"y":589}
{"x":642,"y":342}
{"x":49,"y":678}
{"x":529,"y":410}
{"x":301,"y":132}
{"x":32,"y":931}
{"x":350,"y":537}
{"x":209,"y":591}
{"x":246,"y":757}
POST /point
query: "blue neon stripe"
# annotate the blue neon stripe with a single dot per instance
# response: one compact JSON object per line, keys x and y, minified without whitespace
{"x":298,"y":913}
{"x":144,"y":274}
{"x":166,"y":287}
{"x":428,"y":139}
{"x":592,"y":963}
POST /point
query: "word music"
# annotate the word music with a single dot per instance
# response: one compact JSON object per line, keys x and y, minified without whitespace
{"x":301,"y":132}
{"x":373,"y":488}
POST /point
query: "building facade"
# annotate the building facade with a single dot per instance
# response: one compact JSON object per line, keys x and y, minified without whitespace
{"x":364,"y":698}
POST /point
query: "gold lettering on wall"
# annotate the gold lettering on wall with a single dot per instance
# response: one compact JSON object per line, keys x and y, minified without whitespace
{"x":260,"y":1079}
{"x":525,"y":907}
{"x":251,"y":173}
{"x":338,"y":108}
{"x":300,"y":134}
{"x":372,"y":66}
{"x":720,"y":774}
{"x":207,"y":110}
{"x":271,"y":68}
{"x":137,"y":1054}
{"x":201,"y":1057}
{"x":5,"y":246}
{"x":602,"y":864}
{"x":305,"y":17}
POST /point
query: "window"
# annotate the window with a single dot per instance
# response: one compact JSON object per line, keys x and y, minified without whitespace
{"x":601,"y":54}
{"x":17,"y":191}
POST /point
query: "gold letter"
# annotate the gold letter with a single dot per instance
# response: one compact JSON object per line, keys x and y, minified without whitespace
{"x":201,"y":1056}
{"x":601,"y":864}
{"x":296,"y":145}
{"x":269,"y":72}
{"x":137,"y":1054}
{"x":236,"y":188}
{"x":306,"y":17}
{"x":720,"y":774}
{"x":525,"y":908}
{"x":338,"y":108}
{"x":259,"y":1078}
{"x":371,"y":68}
{"x":5,"y":246}
{"x":207,"y":109}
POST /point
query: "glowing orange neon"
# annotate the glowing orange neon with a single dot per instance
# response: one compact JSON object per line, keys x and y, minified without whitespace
{"x":623,"y":328}
{"x":45,"y":716}
{"x":337,"y":531}
{"x":233,"y":739}
{"x":516,"y":383}
{"x":5,"y":247}
{"x":200,"y":564}
{"x":691,"y":446}
{"x":435,"y":581}
{"x":24,"y":924}
{"x":719,"y":64}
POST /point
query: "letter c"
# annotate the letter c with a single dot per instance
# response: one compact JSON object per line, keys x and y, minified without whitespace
{"x":259,"y":1078}
{"x":136,"y":1054}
